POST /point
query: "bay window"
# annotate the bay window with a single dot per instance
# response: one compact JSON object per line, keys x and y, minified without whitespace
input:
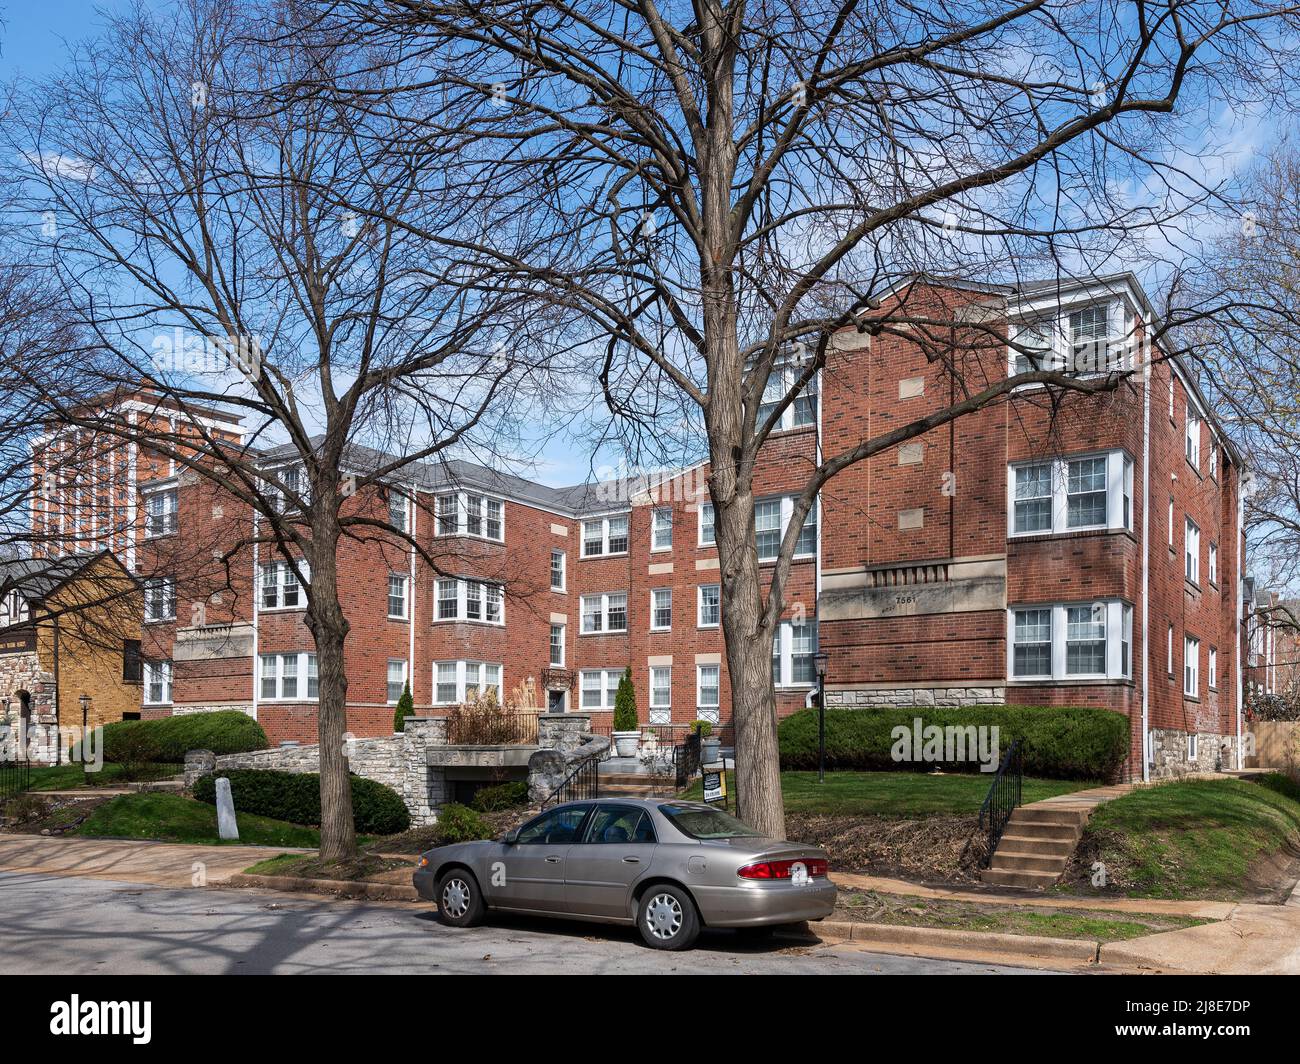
{"x":1087,"y":340}
{"x":1066,"y":641}
{"x":463,"y":513}
{"x":1070,"y":494}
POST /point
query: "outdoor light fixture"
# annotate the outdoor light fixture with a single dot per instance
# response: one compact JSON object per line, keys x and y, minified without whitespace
{"x":85,"y":724}
{"x":820,"y":660}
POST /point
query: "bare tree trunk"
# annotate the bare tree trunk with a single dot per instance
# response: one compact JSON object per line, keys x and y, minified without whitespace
{"x":329,"y":626}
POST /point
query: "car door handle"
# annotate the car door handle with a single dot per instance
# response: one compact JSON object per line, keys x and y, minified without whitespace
{"x":552,"y":860}
{"x":631,"y":860}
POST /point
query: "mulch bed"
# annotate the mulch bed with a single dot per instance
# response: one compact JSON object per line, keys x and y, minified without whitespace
{"x":928,"y":849}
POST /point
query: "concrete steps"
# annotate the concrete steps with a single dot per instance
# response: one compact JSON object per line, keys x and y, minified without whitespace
{"x":1036,"y":844}
{"x":636,"y":785}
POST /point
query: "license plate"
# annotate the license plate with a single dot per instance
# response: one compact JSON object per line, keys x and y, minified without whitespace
{"x":799,"y":874}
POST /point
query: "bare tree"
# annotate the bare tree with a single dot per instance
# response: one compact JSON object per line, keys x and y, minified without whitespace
{"x":720,"y":188}
{"x":227,"y":253}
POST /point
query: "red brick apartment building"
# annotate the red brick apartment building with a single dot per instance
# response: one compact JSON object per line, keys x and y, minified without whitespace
{"x":1082,"y":550}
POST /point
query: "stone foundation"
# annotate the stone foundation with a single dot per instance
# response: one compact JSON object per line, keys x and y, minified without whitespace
{"x":1214,"y":752}
{"x":917,"y":696}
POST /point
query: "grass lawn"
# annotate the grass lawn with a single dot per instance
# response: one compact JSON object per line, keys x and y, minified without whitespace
{"x":67,"y":777}
{"x":900,"y":794}
{"x":173,"y":818}
{"x":1091,"y":925}
{"x":1192,"y":839}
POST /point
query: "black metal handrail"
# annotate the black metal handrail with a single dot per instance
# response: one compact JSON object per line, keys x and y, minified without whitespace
{"x":15,"y":777}
{"x":582,"y":783}
{"x":1005,"y":793}
{"x":686,"y":760}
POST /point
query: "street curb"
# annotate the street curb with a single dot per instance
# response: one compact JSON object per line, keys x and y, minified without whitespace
{"x":885,"y":935}
{"x":343,"y":888}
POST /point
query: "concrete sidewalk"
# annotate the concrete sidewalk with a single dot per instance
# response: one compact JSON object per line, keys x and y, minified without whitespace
{"x":160,"y":863}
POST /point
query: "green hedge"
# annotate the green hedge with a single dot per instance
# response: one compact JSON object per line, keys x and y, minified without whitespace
{"x":169,"y":738}
{"x":295,"y":797}
{"x":458,"y":823}
{"x":1059,"y":743}
{"x":501,"y":796}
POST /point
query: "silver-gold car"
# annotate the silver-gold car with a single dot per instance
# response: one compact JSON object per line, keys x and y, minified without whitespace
{"x":670,"y":867}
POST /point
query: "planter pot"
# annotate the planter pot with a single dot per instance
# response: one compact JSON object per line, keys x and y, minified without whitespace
{"x":710,"y":751}
{"x":625,"y":742}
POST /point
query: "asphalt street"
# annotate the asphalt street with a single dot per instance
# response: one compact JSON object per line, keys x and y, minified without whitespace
{"x":71,"y":925}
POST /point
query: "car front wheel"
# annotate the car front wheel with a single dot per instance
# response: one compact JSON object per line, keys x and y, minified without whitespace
{"x":667,"y":918}
{"x":460,"y":902}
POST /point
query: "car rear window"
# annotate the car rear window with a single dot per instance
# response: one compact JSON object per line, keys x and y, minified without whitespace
{"x":701,"y":822}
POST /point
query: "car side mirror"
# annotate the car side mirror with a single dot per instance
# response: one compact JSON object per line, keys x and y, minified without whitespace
{"x":511,"y":837}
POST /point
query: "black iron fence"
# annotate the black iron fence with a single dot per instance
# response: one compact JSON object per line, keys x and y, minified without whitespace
{"x":1005,"y":793}
{"x":582,"y":783}
{"x":15,"y":777}
{"x":478,"y":727}
{"x":669,"y":734}
{"x":686,"y":760}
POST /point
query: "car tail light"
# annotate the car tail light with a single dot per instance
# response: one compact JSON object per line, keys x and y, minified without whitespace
{"x":817,"y":869}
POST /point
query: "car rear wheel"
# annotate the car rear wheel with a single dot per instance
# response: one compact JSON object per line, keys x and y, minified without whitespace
{"x":460,"y":902}
{"x":667,"y":918}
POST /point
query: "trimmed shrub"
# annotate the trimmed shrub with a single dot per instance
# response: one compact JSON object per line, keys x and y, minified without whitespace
{"x":459,"y":823}
{"x":295,"y":797}
{"x":169,"y":738}
{"x":1281,"y":783}
{"x":405,"y":708}
{"x":1059,"y":743}
{"x":625,"y":718}
{"x":501,"y":796}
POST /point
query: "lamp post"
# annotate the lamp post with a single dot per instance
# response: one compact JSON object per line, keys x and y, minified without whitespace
{"x":84,"y":701}
{"x":819,"y":660}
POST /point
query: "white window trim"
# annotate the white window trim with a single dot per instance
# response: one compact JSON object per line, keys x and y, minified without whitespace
{"x":170,"y":527}
{"x":785,"y":639}
{"x":406,"y":676}
{"x":150,"y":667}
{"x":699,"y":606}
{"x":280,"y":570}
{"x":1192,"y":551}
{"x":661,"y":627}
{"x":1212,"y":669}
{"x":1119,"y":328}
{"x":462,"y":682}
{"x":1119,"y":485}
{"x":655,"y":547}
{"x":1193,"y":746}
{"x":606,"y":693}
{"x":1212,"y":564}
{"x":604,"y":551}
{"x":462,"y":595}
{"x":274,"y":494}
{"x":564,"y":571}
{"x":166,"y":584}
{"x":1192,"y":436}
{"x":1191,"y":667}
{"x":700,"y":705}
{"x":1169,"y":653}
{"x":604,"y":629}
{"x":657,"y":709}
{"x":395,"y":494}
{"x":780,"y":381}
{"x":462,"y":498}
{"x":405,"y":615}
{"x":700,"y":541}
{"x":304,"y":658}
{"x":1119,"y":622}
{"x":564,"y":639}
{"x":787,"y":514}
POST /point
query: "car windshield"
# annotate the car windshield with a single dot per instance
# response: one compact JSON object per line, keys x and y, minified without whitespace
{"x":701,"y":822}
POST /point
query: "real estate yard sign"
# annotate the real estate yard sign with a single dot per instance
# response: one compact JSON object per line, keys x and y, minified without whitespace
{"x":715,"y":784}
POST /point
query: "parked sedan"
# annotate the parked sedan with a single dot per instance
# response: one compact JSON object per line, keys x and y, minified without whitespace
{"x":670,"y":867}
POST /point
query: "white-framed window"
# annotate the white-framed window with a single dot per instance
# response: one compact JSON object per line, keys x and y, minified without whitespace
{"x":557,"y":570}
{"x":1192,"y":551}
{"x":1171,"y":522}
{"x":1191,"y":667}
{"x":1214,"y":457}
{"x":604,"y":535}
{"x":1169,"y":652}
{"x":398,"y":588}
{"x":1212,"y":668}
{"x":802,"y":411}
{"x":1192,"y":436}
{"x":1035,"y":346}
{"x":661,"y":529}
{"x":599,"y":687}
{"x":1212,"y":564}
{"x":160,"y":599}
{"x":13,"y":609}
{"x":469,"y":600}
{"x":1086,"y":340}
{"x":279,"y":586}
{"x":709,"y":606}
{"x":771,"y":519}
{"x":708,"y":692}
{"x":160,"y":508}
{"x":398,"y":510}
{"x":1171,"y":392}
{"x":1067,"y":641}
{"x":157,"y":683}
{"x":465,"y":513}
{"x":793,"y":646}
{"x":557,"y":645}
{"x":1070,"y":494}
{"x":291,"y":479}
{"x":661,"y":609}
{"x":456,"y":682}
{"x":604,"y":613}
{"x":1193,"y":747}
{"x":661,"y":694}
{"x":396,"y":679}
{"x":289,"y":677}
{"x":707,"y":531}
